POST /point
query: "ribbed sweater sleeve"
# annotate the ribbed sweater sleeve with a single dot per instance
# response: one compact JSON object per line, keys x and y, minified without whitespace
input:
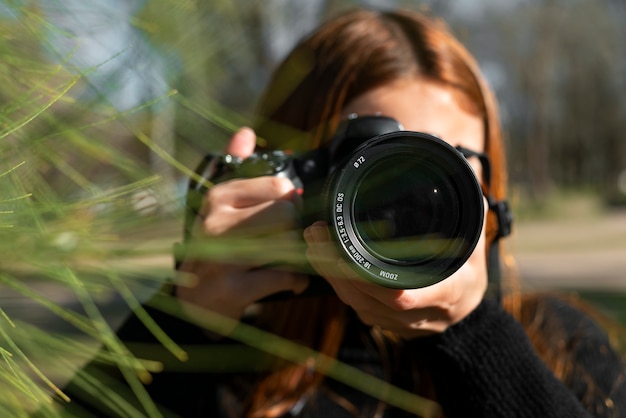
{"x":486,"y":367}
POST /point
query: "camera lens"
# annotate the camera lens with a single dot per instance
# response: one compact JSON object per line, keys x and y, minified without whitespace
{"x":407,"y":210}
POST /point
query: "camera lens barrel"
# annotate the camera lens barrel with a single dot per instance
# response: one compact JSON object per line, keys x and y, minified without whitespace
{"x":406,"y":209}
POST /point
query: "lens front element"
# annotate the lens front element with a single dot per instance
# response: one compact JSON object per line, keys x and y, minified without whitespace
{"x":404,"y":213}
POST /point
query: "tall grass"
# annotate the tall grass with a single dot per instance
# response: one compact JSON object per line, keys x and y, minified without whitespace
{"x":66,"y":192}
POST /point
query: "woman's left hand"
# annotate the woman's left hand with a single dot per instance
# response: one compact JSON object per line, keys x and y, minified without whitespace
{"x":409,"y":313}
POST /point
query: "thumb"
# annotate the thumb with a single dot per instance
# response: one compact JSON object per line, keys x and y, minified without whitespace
{"x":242,"y":143}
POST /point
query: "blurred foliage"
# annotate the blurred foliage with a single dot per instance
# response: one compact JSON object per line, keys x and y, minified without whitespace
{"x":67,"y":190}
{"x":557,"y":67}
{"x":90,"y":192}
{"x":573,"y":73}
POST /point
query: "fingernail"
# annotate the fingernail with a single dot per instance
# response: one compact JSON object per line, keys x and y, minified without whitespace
{"x":318,"y":231}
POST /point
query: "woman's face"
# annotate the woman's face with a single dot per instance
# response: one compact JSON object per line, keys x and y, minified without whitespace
{"x":424,"y":106}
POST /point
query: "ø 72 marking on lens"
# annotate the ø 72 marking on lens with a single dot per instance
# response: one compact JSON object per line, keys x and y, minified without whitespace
{"x":359,"y":161}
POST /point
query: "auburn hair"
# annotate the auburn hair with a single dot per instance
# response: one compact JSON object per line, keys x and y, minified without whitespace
{"x":347,"y":56}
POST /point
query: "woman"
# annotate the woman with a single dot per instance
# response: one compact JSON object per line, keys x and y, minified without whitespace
{"x":472,"y":354}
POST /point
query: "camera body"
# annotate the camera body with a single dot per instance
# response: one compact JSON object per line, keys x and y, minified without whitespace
{"x":404,"y":208}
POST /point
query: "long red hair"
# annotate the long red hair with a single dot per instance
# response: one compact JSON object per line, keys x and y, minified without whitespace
{"x":344,"y":58}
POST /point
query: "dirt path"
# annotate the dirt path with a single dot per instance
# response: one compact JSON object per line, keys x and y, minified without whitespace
{"x":579,"y":252}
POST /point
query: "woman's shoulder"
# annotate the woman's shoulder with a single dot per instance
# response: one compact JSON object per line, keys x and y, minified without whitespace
{"x":568,"y":327}
{"x":585,"y":338}
{"x":570,"y":319}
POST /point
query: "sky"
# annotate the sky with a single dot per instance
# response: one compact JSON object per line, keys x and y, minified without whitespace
{"x":98,"y":39}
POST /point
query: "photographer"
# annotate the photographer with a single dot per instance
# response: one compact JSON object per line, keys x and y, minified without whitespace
{"x":476,"y":352}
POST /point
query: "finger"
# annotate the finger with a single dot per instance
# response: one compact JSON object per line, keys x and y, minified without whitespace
{"x":266,"y":218}
{"x":242,"y":193}
{"x":321,"y":252}
{"x":317,"y":235}
{"x":262,"y":283}
{"x":329,"y":264}
{"x":393,"y":311}
{"x":226,"y":287}
{"x":371,"y":311}
{"x":261,"y":219}
{"x":394,"y":299}
{"x":242,"y":143}
{"x":256,"y":252}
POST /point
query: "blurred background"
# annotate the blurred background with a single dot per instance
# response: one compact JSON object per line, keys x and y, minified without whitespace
{"x":107,"y":104}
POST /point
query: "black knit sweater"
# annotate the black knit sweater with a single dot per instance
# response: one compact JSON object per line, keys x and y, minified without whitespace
{"x":484,"y":366}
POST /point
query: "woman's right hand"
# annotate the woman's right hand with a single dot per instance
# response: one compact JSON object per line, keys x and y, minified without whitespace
{"x":262,"y":209}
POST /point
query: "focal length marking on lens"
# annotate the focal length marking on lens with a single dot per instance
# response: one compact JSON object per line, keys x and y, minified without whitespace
{"x":357,"y":257}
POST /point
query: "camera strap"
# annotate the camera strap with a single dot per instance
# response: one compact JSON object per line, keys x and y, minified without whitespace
{"x":504,"y":219}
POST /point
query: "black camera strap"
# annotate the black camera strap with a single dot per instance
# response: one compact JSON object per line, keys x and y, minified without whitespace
{"x":504,"y":218}
{"x":494,"y":262}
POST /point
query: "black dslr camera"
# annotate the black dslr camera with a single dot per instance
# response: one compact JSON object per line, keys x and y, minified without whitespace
{"x":405,"y":208}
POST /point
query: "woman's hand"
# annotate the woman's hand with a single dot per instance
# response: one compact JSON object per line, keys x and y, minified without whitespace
{"x":408,"y":313}
{"x":242,"y":213}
